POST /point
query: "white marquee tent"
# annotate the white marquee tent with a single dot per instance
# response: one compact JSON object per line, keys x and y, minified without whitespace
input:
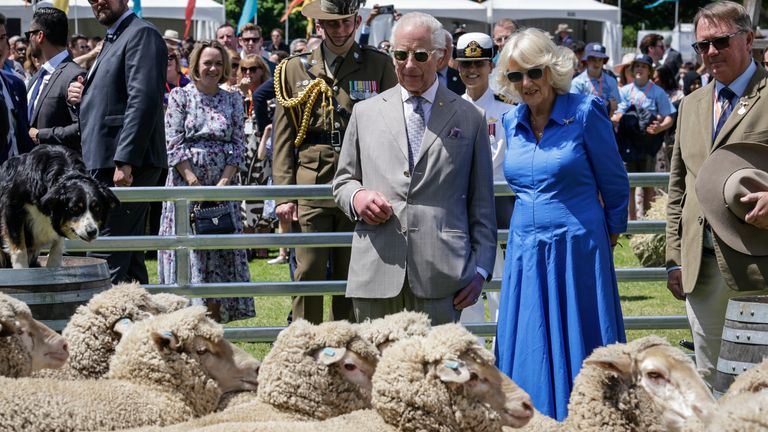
{"x":164,"y":13}
{"x":492,"y":10}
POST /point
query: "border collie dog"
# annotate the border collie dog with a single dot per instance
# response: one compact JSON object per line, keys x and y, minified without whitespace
{"x":46,"y":195}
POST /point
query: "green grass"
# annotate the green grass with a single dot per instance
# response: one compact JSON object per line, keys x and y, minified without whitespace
{"x":637,"y":299}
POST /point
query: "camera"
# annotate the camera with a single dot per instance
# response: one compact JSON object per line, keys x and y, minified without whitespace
{"x":387,"y":9}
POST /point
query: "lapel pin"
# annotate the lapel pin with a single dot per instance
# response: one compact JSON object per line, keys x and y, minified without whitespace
{"x":568,"y":121}
{"x":440,"y":103}
{"x":743,"y":108}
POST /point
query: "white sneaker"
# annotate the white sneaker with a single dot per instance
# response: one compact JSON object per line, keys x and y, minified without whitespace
{"x":280,"y":259}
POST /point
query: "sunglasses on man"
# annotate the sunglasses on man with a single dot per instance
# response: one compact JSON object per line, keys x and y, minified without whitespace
{"x":720,"y":43}
{"x":251,"y":39}
{"x":29,"y":34}
{"x":533,"y":73}
{"x":419,"y":55}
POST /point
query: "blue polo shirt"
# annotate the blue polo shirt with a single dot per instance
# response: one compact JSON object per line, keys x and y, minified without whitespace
{"x":606,"y":87}
{"x":650,"y":97}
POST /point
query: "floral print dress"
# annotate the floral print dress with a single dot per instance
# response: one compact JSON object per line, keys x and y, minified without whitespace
{"x":208,"y":132}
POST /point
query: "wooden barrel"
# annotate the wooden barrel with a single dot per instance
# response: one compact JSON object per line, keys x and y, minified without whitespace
{"x":53,"y":294}
{"x":745,"y":339}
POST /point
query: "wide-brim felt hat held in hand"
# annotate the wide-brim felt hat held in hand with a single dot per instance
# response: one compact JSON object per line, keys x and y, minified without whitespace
{"x":729,"y":173}
{"x":332,"y":9}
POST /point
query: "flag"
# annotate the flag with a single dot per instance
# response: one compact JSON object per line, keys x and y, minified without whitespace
{"x":658,"y":2}
{"x":289,"y":9}
{"x":188,"y":17}
{"x":249,"y":11}
{"x":137,"y":8}
{"x":62,"y":5}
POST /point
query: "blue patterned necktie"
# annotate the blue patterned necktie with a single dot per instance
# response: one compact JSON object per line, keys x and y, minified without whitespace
{"x":35,"y":92}
{"x":415,"y":129}
{"x":725,"y":99}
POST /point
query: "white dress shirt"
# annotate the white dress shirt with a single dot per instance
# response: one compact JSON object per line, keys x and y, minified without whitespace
{"x":49,"y":66}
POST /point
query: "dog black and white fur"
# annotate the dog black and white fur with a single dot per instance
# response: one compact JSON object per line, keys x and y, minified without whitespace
{"x":46,"y":196}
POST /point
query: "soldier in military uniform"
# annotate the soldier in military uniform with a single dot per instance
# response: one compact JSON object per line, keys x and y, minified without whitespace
{"x":316,"y":92}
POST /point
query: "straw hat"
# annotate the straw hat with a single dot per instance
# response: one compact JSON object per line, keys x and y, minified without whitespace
{"x":171,"y":36}
{"x":332,"y":9}
{"x":563,"y":28}
{"x":625,"y":61}
{"x":733,"y":171}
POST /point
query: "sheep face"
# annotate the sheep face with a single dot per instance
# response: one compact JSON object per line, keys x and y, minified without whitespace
{"x":28,"y":344}
{"x":352,"y":367}
{"x":232,"y":368}
{"x":673,"y":383}
{"x":664,"y":373}
{"x":48,"y":348}
{"x":481,"y":386}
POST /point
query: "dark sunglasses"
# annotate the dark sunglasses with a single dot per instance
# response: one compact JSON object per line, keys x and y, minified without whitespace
{"x":84,"y":47}
{"x":251,"y":39}
{"x":252,"y":69}
{"x":171,"y":58}
{"x":29,"y":34}
{"x":235,"y":65}
{"x":469,"y":63}
{"x":419,"y":55}
{"x":517,"y":76}
{"x":720,"y":43}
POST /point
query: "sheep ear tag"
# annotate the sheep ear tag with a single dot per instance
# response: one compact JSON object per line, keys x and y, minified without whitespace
{"x":330,"y":355}
{"x":166,"y":339}
{"x":122,"y":326}
{"x":453,"y":371}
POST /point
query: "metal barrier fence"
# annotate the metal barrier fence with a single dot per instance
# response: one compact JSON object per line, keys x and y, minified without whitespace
{"x":184,"y":241}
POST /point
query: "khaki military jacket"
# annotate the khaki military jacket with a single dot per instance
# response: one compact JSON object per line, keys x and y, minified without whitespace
{"x":364,"y":73}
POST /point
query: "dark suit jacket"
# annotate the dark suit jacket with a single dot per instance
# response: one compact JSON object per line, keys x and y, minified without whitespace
{"x":674,"y":60}
{"x":55,"y":120}
{"x":455,"y":84}
{"x":19,"y":111}
{"x":121,"y":113}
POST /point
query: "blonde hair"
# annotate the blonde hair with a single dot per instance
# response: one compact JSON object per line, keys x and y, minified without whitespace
{"x":532,"y":48}
{"x":255,"y":60}
{"x":194,"y":60}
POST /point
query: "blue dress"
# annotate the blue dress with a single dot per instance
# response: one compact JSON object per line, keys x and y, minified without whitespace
{"x":559,"y":296}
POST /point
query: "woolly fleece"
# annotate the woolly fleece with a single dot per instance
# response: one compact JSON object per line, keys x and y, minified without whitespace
{"x":89,"y":332}
{"x":395,"y":327}
{"x":410,"y":397}
{"x":293,"y":386}
{"x":15,"y":357}
{"x":604,"y":401}
{"x":147,"y":385}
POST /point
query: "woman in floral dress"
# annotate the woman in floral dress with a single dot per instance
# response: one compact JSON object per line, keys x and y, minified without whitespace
{"x":204,"y":134}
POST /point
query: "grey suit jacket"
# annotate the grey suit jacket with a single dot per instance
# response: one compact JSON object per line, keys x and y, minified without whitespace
{"x":693,"y":144}
{"x":54,"y":118}
{"x":121,"y":113}
{"x":443,"y":225}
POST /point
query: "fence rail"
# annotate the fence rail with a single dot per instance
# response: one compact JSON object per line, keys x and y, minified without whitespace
{"x":184,"y":241}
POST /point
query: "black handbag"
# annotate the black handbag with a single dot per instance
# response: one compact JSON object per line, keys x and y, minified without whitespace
{"x":217,"y":219}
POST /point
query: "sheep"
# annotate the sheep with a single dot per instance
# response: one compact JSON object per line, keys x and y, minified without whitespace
{"x":744,"y":407}
{"x":383,"y":332}
{"x":743,"y":412}
{"x":751,"y":381}
{"x":95,"y":329}
{"x":26,"y":345}
{"x":645,"y":385}
{"x":313,"y":372}
{"x":446,"y":381}
{"x":442,"y":382}
{"x":167,"y":369}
